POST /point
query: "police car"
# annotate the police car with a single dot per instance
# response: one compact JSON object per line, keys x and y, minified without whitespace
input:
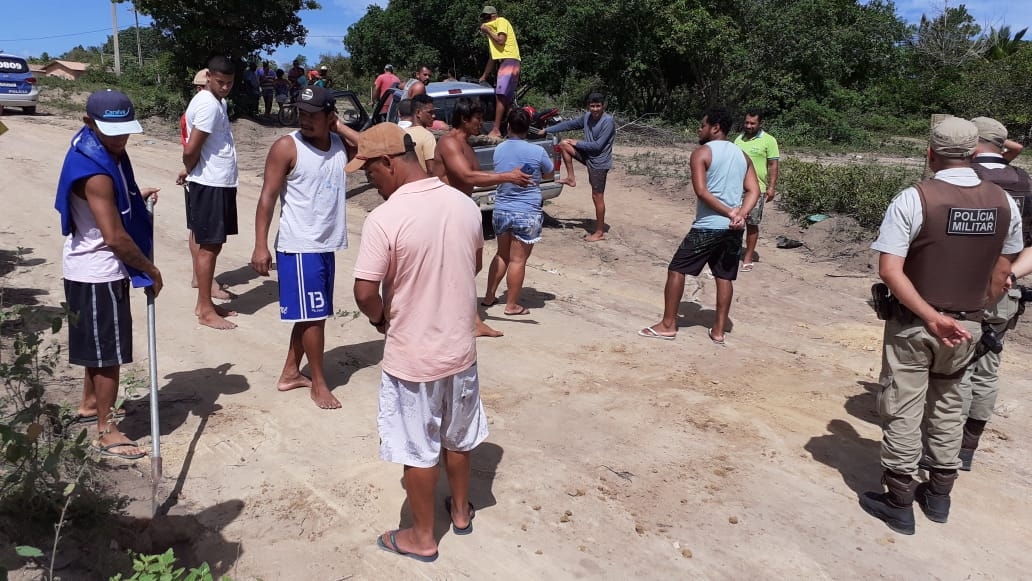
{"x":17,"y":84}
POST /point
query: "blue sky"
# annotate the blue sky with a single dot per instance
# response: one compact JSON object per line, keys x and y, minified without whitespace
{"x":32,"y":27}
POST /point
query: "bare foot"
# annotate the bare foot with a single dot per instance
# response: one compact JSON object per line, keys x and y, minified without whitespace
{"x":222,"y":294}
{"x":218,"y":291}
{"x":215,"y":321}
{"x":595,"y":237}
{"x":568,"y":181}
{"x":220,"y":311}
{"x":289,"y":383}
{"x":484,"y":331}
{"x":324,"y":399}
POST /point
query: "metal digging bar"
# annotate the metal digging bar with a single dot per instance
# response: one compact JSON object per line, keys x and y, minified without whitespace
{"x":152,"y":354}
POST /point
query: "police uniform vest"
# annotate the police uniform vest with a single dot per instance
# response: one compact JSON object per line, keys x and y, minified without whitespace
{"x":951,"y":261}
{"x":1016,"y":182}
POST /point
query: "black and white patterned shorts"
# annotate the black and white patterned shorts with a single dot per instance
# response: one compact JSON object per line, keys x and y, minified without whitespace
{"x":100,"y":325}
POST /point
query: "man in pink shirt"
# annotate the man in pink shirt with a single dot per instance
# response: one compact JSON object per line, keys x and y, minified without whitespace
{"x":424,"y":245}
{"x":385,"y":81}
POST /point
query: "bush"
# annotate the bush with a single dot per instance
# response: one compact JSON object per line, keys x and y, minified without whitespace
{"x":812,"y":124}
{"x":862,"y":191}
{"x":162,"y":568}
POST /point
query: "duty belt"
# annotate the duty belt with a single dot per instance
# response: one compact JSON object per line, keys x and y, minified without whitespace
{"x":973,"y":316}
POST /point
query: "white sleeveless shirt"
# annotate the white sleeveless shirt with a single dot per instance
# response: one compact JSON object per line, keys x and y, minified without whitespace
{"x":86,"y":257}
{"x":312,"y":211}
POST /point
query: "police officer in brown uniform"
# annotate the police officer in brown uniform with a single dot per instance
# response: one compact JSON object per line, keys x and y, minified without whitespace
{"x":974,"y":227}
{"x":980,"y":385}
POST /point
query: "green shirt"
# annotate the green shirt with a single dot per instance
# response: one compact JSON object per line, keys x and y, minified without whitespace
{"x":760,"y":149}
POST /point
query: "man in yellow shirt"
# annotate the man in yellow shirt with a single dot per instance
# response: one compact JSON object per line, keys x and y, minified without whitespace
{"x":501,"y":41}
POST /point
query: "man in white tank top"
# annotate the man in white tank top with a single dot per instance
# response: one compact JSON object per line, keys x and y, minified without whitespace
{"x":305,"y":172}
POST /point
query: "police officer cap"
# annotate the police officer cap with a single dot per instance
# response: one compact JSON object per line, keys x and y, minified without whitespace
{"x":990,"y":130}
{"x":954,"y":137}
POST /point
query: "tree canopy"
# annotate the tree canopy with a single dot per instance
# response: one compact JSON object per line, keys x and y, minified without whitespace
{"x":234,"y":28}
{"x":675,"y":57}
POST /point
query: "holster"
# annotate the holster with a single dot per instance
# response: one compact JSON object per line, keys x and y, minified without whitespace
{"x":989,"y":341}
{"x":1026,"y":296}
{"x":882,"y":301}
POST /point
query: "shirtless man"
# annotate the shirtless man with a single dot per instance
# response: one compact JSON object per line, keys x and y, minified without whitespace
{"x":462,"y":171}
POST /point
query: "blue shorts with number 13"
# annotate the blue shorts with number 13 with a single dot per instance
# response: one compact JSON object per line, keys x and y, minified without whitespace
{"x":305,"y":285}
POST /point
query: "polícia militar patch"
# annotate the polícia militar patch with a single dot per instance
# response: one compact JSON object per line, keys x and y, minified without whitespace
{"x":972,"y":221}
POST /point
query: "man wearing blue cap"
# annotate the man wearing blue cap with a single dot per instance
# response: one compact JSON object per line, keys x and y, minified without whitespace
{"x":109,"y":236}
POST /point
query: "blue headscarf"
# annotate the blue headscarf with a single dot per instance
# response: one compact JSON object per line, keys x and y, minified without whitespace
{"x":88,"y":157}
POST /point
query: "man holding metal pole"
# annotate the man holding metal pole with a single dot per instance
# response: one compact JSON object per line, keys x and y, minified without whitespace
{"x":109,"y":236}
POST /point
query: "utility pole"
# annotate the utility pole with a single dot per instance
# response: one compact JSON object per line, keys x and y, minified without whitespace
{"x":139,"y":48}
{"x":114,"y":38}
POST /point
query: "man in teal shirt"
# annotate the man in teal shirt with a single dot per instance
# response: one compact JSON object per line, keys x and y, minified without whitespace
{"x":762,"y":149}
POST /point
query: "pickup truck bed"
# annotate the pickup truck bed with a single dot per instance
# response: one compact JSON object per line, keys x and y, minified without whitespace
{"x":445,"y":94}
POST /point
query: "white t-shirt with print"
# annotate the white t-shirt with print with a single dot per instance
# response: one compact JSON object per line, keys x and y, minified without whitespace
{"x":218,"y":164}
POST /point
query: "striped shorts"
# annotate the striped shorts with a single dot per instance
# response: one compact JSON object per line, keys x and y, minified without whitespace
{"x":100,"y":325}
{"x":305,"y":285}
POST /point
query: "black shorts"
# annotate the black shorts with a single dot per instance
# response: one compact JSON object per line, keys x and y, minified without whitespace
{"x":100,"y":324}
{"x":596,"y":177}
{"x":211,"y":213}
{"x":717,"y":248}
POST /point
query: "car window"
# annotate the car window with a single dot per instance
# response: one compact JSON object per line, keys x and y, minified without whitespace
{"x":348,"y":109}
{"x":12,"y":64}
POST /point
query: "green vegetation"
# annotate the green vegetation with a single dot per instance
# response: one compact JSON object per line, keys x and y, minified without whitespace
{"x":860,"y":190}
{"x":163,"y":568}
{"x":828,"y":71}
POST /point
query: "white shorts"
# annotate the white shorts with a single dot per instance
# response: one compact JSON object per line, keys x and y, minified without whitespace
{"x":416,"y":419}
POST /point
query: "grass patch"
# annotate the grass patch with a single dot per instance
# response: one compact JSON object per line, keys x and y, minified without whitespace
{"x":860,"y":190}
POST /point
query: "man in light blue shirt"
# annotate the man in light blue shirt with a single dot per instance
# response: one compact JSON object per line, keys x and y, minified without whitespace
{"x":725,"y":183}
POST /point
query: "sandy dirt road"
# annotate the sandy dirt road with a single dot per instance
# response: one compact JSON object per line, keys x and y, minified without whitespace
{"x":610,"y":457}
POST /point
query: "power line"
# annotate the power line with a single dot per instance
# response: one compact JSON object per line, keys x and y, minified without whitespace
{"x":63,"y":35}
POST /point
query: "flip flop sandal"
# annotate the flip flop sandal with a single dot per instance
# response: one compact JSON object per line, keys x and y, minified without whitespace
{"x":468,"y":529}
{"x":709,"y":333}
{"x":109,"y":451}
{"x":746,"y":267}
{"x":523,"y":311}
{"x":653,"y":334}
{"x":393,"y":548}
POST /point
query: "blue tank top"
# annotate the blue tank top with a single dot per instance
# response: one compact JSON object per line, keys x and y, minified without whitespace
{"x":724,"y":179}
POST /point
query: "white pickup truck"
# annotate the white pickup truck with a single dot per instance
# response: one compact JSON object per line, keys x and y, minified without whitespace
{"x":445,"y":95}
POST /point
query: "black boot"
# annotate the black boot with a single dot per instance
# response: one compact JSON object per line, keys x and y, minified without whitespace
{"x":896,"y":505}
{"x":934,"y":496}
{"x":972,"y":433}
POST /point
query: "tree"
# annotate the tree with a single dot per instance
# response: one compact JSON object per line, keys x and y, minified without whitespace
{"x":82,"y":55}
{"x":1001,"y":44}
{"x":196,"y":30}
{"x":152,"y":43}
{"x":949,"y":39}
